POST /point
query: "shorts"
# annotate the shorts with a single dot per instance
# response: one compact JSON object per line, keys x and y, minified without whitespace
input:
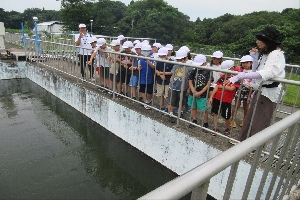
{"x":162,"y":90}
{"x":244,"y":93}
{"x":111,"y":77}
{"x":174,"y":98}
{"x":134,"y":80}
{"x":199,"y":103}
{"x":225,"y":108}
{"x":148,"y":87}
{"x":123,"y":77}
{"x":105,"y":72}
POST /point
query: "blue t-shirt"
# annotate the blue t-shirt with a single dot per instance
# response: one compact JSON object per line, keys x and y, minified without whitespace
{"x":146,"y":73}
{"x":167,"y":67}
{"x":177,"y":73}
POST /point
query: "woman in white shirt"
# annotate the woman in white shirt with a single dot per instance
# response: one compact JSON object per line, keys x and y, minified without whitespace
{"x":270,"y":65}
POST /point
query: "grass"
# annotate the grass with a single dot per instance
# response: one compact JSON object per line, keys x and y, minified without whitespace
{"x":292,"y":91}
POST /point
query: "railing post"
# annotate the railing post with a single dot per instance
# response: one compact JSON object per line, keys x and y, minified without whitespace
{"x":200,"y":192}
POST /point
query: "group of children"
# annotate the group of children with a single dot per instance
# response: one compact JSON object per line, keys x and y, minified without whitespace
{"x":176,"y":84}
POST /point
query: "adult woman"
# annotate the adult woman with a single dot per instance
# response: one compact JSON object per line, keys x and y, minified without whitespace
{"x":270,"y":65}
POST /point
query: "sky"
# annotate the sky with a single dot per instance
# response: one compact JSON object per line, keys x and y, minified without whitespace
{"x":192,"y":8}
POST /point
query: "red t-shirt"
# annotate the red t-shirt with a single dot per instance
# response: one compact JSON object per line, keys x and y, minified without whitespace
{"x":228,"y":96}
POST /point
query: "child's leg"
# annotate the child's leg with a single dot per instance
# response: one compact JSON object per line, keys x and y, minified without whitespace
{"x":227,"y":123}
{"x":205,"y":120}
{"x":119,"y":87}
{"x":134,"y":88}
{"x":246,"y":108}
{"x":215,"y":121}
{"x":194,"y":113}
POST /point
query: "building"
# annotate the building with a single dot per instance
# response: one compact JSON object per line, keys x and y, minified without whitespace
{"x":50,"y":27}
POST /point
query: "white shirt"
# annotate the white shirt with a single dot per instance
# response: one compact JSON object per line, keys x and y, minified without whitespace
{"x":216,"y":75}
{"x":101,"y":59}
{"x":270,"y":66}
{"x":84,"y":43}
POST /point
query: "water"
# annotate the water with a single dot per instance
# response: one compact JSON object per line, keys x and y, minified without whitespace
{"x":48,"y":150}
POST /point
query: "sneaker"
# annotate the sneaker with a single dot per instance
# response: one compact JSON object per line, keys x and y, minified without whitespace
{"x":147,"y":107}
{"x":93,"y":80}
{"x":120,"y":97}
{"x":216,"y":130}
{"x":192,"y":125}
{"x":233,"y":124}
{"x":232,"y":142}
{"x":172,"y":119}
{"x":133,"y":98}
{"x":242,"y":123}
{"x":205,"y":126}
{"x":83,"y":79}
{"x":227,"y":131}
{"x":141,"y":99}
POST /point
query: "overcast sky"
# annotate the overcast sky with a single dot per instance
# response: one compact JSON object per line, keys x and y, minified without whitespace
{"x":192,"y":8}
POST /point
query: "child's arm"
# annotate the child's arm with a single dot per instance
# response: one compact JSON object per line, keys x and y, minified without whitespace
{"x":92,"y":57}
{"x":198,"y":94}
{"x":227,"y":87}
{"x":213,"y":94}
{"x":191,"y":86}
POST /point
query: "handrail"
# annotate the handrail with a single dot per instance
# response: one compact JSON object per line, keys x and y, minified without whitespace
{"x":187,"y":182}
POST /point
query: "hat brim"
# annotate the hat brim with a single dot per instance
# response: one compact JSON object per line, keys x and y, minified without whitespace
{"x":197,"y":63}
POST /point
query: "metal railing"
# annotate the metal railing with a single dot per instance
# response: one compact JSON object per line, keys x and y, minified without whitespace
{"x":282,"y":150}
{"x":197,"y":180}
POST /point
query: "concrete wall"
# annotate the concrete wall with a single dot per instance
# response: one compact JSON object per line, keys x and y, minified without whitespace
{"x":171,"y":148}
{"x":2,"y":34}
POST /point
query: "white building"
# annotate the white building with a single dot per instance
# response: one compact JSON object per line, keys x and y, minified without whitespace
{"x":50,"y":27}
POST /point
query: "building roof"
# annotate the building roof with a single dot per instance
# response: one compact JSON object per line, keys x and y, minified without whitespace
{"x":49,"y":23}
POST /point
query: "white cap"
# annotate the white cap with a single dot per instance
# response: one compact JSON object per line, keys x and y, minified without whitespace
{"x":115,"y":43}
{"x":169,"y":47}
{"x":246,"y":58}
{"x":162,"y":51}
{"x":185,"y":48}
{"x":146,"y":47}
{"x":93,"y":39}
{"x":121,"y":37}
{"x":100,"y":42}
{"x":138,"y":46}
{"x":180,"y":54}
{"x":145,"y":42}
{"x":127,"y":44}
{"x":227,"y":64}
{"x":199,"y":60}
{"x":217,"y":54}
{"x":82,"y":26}
{"x":136,"y":41}
{"x":158,"y":45}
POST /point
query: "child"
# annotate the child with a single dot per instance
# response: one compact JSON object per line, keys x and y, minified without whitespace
{"x":245,"y":91}
{"x":199,"y":83}
{"x":146,"y":76}
{"x":179,"y":77}
{"x":223,"y":95}
{"x":115,"y":63}
{"x":134,"y":78}
{"x":93,"y":42}
{"x":103,"y":60}
{"x":124,"y":73}
{"x":216,"y":60}
{"x":163,"y":72}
